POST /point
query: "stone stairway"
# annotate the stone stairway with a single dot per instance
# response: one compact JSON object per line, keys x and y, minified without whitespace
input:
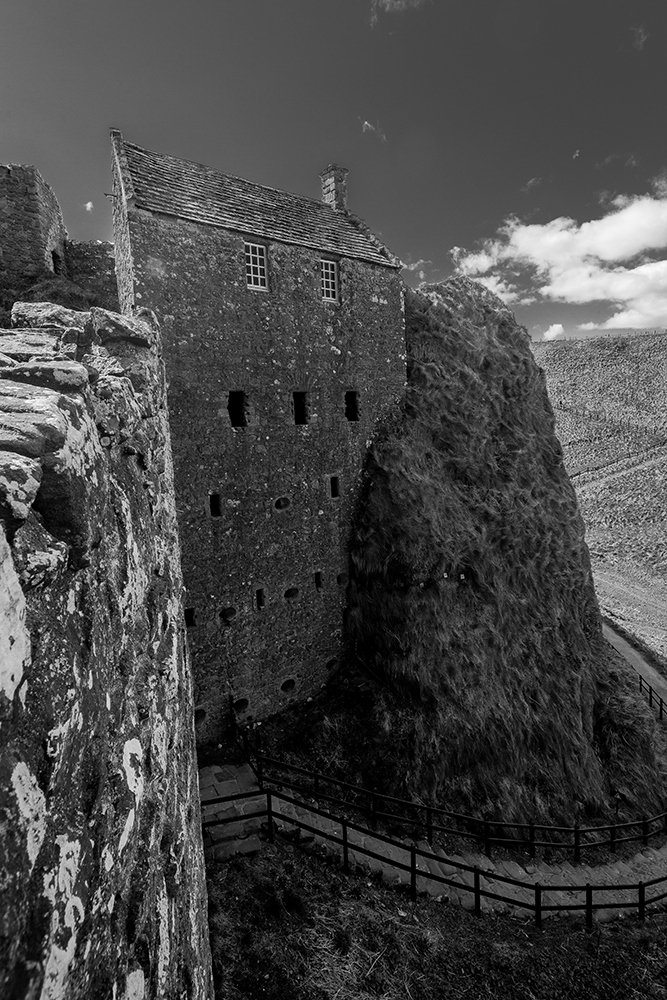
{"x":245,"y":836}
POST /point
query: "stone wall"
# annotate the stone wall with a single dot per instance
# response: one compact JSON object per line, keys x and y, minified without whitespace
{"x":32,"y":232}
{"x":264,"y":507}
{"x":101,"y":865}
{"x":91,"y":265}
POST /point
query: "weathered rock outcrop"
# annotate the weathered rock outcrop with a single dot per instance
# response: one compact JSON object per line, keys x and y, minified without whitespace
{"x":471,"y":603}
{"x":102,"y":890}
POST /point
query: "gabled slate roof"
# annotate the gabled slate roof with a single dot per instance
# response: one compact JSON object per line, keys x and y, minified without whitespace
{"x":194,"y":191}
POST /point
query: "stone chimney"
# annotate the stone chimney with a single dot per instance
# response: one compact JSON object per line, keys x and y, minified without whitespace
{"x":334,"y":186}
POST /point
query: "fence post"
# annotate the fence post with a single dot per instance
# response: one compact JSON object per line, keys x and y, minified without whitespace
{"x":589,"y":906}
{"x":346,"y":864}
{"x":612,"y":840}
{"x":650,"y":695}
{"x":531,"y":839}
{"x":487,"y":839}
{"x":577,"y":843}
{"x":429,"y":825}
{"x":644,"y":831}
{"x":260,"y":776}
{"x":661,"y":708}
{"x":374,"y":809}
{"x":317,"y":789}
{"x":258,"y":740}
{"x":413,"y":872}
{"x":642,"y":902}
{"x":478,"y":898}
{"x":246,"y":750}
{"x":269,"y":815}
{"x":538,"y":905}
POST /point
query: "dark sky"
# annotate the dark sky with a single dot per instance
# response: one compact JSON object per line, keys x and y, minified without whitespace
{"x":528,"y":133}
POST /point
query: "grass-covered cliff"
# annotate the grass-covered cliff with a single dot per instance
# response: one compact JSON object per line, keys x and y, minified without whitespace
{"x":478,"y":673}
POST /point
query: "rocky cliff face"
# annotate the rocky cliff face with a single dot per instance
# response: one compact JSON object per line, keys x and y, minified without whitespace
{"x":102,"y":887}
{"x":471,"y":604}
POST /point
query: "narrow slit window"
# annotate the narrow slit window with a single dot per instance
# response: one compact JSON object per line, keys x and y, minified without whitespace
{"x":255,"y":265}
{"x":300,"y":407}
{"x":190,"y":621}
{"x":215,"y":504}
{"x":260,"y":598}
{"x":334,"y":486}
{"x":237,"y":407}
{"x":319,"y":582}
{"x":329,"y":276}
{"x":352,"y":405}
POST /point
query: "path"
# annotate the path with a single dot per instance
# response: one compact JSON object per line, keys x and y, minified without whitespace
{"x":617,"y":468}
{"x":244,"y":835}
{"x":636,"y":660}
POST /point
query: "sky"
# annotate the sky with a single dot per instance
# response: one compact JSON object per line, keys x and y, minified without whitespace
{"x":518,"y":142}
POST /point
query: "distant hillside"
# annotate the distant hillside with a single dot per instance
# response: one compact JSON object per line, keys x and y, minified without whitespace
{"x":609,"y":396}
{"x":481,"y":676}
{"x":610,"y":400}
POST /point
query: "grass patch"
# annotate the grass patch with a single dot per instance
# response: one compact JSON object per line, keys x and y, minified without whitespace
{"x":289,"y":926}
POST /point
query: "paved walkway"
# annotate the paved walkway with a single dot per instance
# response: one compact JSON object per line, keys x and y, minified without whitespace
{"x":244,"y":835}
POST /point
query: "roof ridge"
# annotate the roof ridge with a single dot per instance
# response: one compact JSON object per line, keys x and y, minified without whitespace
{"x":187,"y":189}
{"x":237,"y":177}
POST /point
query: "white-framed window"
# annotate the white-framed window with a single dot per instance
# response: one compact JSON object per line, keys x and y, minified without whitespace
{"x":255,"y":265}
{"x":329,"y":273}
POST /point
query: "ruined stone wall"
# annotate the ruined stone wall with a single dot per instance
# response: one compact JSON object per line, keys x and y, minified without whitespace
{"x":31,"y":226}
{"x":91,"y":265}
{"x":102,"y":889}
{"x":264,"y":509}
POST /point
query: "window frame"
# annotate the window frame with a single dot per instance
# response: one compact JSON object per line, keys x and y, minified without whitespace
{"x":252,"y":261}
{"x":333,"y":267}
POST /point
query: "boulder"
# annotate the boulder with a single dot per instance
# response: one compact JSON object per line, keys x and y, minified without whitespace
{"x":19,"y":481}
{"x":108,"y":326}
{"x":35,"y":314}
{"x":38,"y":556}
{"x":66,"y":376}
{"x":23,"y":345}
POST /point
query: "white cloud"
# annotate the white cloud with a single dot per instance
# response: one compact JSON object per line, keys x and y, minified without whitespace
{"x":555,"y":330}
{"x":532,"y":183}
{"x":419,"y":266}
{"x":616,"y":259}
{"x":576,"y":154}
{"x":375,"y":129}
{"x":392,"y":7}
{"x":640,"y":35}
{"x":89,"y":206}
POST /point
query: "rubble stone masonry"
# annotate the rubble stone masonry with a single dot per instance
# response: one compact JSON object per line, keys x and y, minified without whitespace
{"x":32,"y":232}
{"x":273,"y":397}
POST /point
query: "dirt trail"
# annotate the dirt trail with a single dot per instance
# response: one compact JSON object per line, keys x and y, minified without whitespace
{"x":594,"y":477}
{"x":639,"y":604}
{"x":637,"y":661}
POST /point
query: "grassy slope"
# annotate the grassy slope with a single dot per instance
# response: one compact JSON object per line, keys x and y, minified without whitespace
{"x":472,"y":611}
{"x":288,"y":927}
{"x":610,"y":401}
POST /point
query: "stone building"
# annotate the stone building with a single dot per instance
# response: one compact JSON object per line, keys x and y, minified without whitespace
{"x":34,"y":245}
{"x":283,"y":339}
{"x":32,"y":231}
